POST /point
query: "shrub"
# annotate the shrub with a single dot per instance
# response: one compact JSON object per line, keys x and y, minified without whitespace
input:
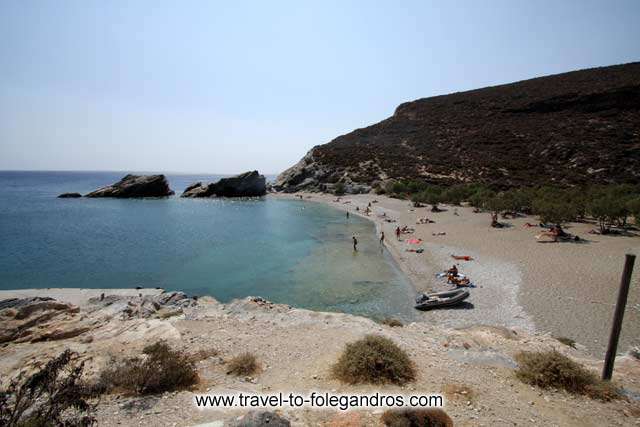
{"x":553,"y":370}
{"x":479,"y":198}
{"x":390,"y":321}
{"x":551,"y":210}
{"x":379,"y":190}
{"x":243,"y":365}
{"x":567,"y":341}
{"x":634,"y":209}
{"x":375,"y":360}
{"x":399,"y":187}
{"x":416,"y":418}
{"x":458,"y":392}
{"x":431,"y":196}
{"x":160,"y":369}
{"x":55,"y":395}
{"x":338,"y":189}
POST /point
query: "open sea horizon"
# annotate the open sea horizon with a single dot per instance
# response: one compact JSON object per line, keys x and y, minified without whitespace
{"x":287,"y":251}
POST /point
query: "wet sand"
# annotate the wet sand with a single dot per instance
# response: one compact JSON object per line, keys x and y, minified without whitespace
{"x":566,"y":289}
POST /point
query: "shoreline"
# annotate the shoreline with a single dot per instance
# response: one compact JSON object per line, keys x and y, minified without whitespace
{"x":562,"y":289}
{"x":420,"y":269}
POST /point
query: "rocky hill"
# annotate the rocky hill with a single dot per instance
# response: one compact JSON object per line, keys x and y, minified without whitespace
{"x":574,"y":128}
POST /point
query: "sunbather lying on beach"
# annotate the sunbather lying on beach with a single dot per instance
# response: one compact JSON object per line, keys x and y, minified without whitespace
{"x":455,"y":280}
{"x":424,"y":220}
{"x":494,"y":221}
{"x":462,"y":257}
{"x":419,"y":250}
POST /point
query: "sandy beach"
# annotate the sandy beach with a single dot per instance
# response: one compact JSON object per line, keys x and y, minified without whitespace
{"x":565,"y":289}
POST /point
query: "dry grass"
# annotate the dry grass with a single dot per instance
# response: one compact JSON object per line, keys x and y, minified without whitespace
{"x":374,"y":360}
{"x":553,"y":370}
{"x":160,"y":369}
{"x":458,"y":392}
{"x":243,"y":365}
{"x":416,"y":418}
{"x":203,"y":354}
{"x":390,"y":321}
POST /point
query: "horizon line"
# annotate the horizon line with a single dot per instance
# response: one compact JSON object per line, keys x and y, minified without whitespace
{"x":125,"y":171}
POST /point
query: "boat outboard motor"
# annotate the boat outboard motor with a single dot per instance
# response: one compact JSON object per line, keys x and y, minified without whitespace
{"x":421,"y":298}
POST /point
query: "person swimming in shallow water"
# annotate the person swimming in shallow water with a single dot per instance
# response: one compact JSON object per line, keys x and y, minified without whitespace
{"x":355,"y":244}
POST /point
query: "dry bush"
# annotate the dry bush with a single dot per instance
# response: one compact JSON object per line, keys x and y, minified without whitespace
{"x":416,"y":418}
{"x":243,"y":365}
{"x":54,"y":396}
{"x":390,"y":321}
{"x":567,"y":341}
{"x":375,"y":360}
{"x":203,"y":354}
{"x":160,"y":369}
{"x":551,"y":369}
{"x":458,"y":392}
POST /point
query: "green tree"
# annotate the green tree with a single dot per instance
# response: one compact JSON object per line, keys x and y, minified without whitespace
{"x":552,"y":210}
{"x":633,"y":205}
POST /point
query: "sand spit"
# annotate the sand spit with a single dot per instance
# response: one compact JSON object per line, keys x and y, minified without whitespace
{"x":566,"y":289}
{"x":296,"y":349}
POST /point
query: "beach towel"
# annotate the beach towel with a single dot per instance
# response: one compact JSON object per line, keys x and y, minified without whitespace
{"x":414,"y":241}
{"x":445,"y":274}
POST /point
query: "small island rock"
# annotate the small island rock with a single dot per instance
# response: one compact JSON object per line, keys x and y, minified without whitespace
{"x":136,"y":186}
{"x":69,"y":195}
{"x":248,"y":184}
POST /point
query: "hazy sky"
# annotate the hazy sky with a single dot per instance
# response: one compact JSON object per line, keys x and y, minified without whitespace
{"x":229,"y":86}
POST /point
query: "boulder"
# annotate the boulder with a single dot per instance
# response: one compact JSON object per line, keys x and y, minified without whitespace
{"x":69,"y":195}
{"x":248,"y":184}
{"x":199,"y":190}
{"x":136,"y":186}
{"x":259,"y":419}
{"x":37,"y":319}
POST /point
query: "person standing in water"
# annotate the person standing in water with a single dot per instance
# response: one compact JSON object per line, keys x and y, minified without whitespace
{"x":382,"y":237}
{"x":355,"y":244}
{"x":347,"y":214}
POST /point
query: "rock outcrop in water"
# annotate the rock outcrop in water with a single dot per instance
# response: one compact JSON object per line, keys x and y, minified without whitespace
{"x":248,"y":184}
{"x":581,"y":127}
{"x":69,"y":195}
{"x":136,"y":186}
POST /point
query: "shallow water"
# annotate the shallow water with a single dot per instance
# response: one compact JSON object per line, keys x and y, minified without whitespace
{"x":287,"y":251}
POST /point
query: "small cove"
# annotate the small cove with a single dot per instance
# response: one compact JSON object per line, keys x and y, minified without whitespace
{"x":286,"y":251}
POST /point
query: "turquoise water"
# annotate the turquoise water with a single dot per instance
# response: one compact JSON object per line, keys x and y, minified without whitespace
{"x":291,"y":252}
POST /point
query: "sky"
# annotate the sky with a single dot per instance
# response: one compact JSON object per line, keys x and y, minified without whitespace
{"x":224,"y":87}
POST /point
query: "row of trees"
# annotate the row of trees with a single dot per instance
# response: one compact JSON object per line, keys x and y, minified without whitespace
{"x":610,"y":205}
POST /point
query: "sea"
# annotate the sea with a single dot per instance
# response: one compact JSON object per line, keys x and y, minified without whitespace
{"x":287,"y":251}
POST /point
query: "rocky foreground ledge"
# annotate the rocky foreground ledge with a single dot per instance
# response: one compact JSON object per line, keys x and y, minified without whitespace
{"x":473,"y":367}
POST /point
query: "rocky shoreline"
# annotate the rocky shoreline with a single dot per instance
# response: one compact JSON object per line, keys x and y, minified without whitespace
{"x":296,"y":353}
